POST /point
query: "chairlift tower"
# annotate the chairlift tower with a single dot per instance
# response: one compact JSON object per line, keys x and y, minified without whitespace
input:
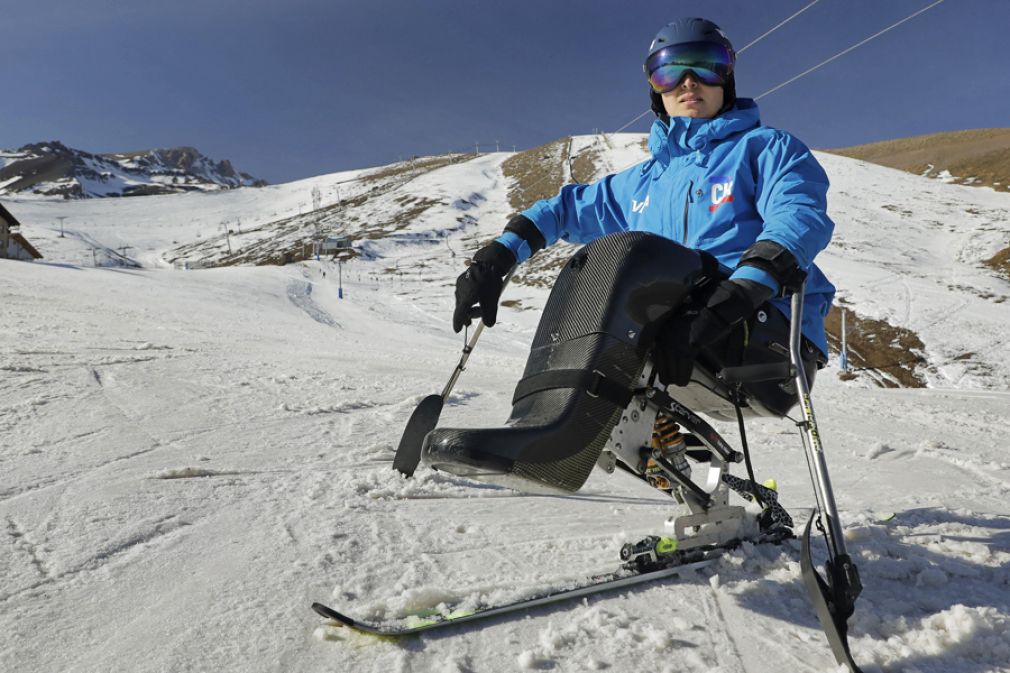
{"x":227,"y":238}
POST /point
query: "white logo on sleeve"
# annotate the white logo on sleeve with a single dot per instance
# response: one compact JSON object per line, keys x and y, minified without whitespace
{"x":639,"y":206}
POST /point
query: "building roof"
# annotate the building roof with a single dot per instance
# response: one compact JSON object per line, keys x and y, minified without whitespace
{"x":7,"y":217}
{"x":29,"y":248}
{"x":13,"y":223}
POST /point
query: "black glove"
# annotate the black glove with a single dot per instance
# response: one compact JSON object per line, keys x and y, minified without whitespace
{"x":673,"y":358}
{"x":731,"y":303}
{"x":678,"y":341}
{"x":482,"y":284}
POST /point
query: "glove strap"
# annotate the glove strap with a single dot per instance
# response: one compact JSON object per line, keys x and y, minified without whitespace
{"x":776,"y":260}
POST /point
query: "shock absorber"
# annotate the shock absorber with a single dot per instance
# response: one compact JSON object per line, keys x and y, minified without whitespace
{"x":667,"y":439}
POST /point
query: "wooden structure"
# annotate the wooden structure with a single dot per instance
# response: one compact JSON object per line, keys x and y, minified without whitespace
{"x":12,"y":244}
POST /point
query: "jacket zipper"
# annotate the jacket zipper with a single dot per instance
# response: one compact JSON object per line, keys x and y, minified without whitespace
{"x":687,"y":203}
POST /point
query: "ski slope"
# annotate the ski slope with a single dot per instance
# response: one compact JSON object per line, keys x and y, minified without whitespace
{"x":189,"y":458}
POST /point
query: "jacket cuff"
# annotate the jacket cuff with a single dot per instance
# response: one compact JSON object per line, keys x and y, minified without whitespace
{"x":517,"y":245}
{"x":757,"y":275}
{"x":522,"y":237}
{"x":526,"y":229}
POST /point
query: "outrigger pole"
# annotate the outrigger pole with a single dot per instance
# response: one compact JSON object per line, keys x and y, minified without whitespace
{"x":834,"y":598}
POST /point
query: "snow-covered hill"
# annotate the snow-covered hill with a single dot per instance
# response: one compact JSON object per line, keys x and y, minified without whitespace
{"x":189,"y":458}
{"x":52,"y":169}
{"x":906,"y":251}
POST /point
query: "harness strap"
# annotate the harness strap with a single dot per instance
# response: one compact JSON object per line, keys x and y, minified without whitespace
{"x":593,"y":382}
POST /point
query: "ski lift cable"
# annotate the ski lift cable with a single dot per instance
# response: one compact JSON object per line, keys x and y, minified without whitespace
{"x":739,"y":51}
{"x":753,"y":42}
{"x":846,"y":51}
{"x":632,"y":121}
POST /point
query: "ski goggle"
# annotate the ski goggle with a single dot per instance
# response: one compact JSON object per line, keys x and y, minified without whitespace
{"x":711,"y":63}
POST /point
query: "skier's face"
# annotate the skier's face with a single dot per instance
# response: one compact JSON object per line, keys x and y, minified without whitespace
{"x":692,"y":98}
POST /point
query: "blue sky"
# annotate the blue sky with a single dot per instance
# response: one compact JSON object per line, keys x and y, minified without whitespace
{"x":294,"y":88}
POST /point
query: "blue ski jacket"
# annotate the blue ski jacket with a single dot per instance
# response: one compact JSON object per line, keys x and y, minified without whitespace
{"x":717,"y":185}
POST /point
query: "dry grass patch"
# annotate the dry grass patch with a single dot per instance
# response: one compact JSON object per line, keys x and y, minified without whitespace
{"x":411,"y":207}
{"x":514,"y":304}
{"x":979,"y":157}
{"x":542,"y":269}
{"x":1000,"y":263}
{"x":537,"y":173}
{"x":890,"y":355}
{"x":291,"y":238}
{"x":414,"y":167}
{"x":585,"y":165}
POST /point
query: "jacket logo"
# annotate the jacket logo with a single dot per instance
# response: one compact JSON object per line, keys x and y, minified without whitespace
{"x":722,"y":191}
{"x":639,"y":206}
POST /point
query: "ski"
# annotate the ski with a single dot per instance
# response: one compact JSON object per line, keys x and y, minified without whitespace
{"x":833,"y":599}
{"x":436,"y":620}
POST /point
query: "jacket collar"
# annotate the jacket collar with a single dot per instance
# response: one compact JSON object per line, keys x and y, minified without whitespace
{"x":685,"y":135}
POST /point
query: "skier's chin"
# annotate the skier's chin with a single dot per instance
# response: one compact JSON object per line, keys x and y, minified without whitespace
{"x":695,"y":113}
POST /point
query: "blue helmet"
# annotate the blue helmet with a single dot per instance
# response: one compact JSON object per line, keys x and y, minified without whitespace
{"x":693,"y":30}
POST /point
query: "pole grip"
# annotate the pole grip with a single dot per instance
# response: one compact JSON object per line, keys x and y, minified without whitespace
{"x":468,"y":348}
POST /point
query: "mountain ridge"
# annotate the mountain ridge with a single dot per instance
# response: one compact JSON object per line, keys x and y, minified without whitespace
{"x":52,"y":168}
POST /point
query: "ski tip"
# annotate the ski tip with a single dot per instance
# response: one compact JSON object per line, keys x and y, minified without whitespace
{"x":405,"y":470}
{"x":330,"y":613}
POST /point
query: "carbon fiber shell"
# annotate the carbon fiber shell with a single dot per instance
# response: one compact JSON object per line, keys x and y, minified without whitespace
{"x":601,"y":316}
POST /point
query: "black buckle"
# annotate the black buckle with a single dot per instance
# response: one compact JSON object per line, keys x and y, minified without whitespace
{"x":597,"y":380}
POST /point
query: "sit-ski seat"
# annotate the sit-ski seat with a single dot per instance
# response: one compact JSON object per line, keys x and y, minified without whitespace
{"x":591,"y":346}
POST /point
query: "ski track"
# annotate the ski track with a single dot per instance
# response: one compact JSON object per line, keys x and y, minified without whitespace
{"x":300,"y":294}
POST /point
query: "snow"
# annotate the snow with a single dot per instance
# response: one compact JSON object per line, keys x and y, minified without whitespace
{"x":188,"y":459}
{"x":153,"y":224}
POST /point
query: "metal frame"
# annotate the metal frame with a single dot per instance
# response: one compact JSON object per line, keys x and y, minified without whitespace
{"x":710,"y":520}
{"x":816,"y":461}
{"x":708,"y":504}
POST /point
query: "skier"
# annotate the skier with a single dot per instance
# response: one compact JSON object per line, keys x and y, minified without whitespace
{"x":724,"y":221}
{"x":689,"y":260}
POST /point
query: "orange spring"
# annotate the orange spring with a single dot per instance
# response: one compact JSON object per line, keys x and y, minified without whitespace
{"x":665,"y":433}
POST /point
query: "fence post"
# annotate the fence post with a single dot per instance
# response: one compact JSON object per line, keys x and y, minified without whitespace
{"x":845,"y":348}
